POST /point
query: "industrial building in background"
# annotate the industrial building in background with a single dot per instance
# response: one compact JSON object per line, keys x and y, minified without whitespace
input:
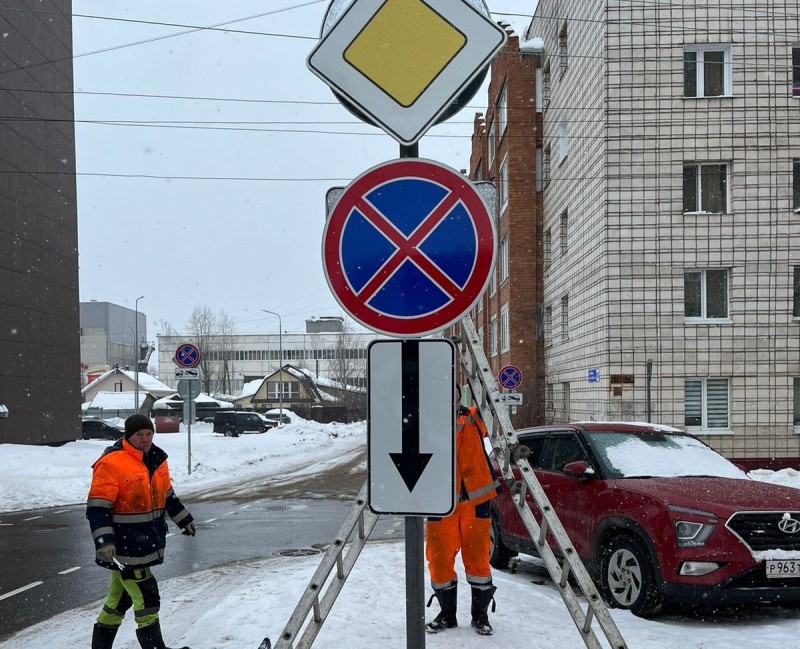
{"x":39,"y":347}
{"x":108,"y":339}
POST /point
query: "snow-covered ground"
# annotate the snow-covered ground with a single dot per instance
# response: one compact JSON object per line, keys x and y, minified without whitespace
{"x":235,"y":606}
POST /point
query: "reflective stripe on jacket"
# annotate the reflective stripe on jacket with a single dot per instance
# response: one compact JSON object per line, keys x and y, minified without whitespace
{"x":127,"y":503}
{"x":474,"y":475}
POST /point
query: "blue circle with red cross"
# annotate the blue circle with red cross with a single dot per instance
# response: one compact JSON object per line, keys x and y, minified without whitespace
{"x":409,"y":247}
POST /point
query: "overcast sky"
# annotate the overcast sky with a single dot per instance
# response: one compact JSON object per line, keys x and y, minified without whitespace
{"x":218,"y":199}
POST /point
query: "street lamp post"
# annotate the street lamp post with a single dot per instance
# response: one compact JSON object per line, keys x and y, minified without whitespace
{"x":280,"y":364}
{"x":136,"y":351}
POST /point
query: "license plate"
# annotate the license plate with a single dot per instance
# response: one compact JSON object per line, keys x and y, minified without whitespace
{"x":783,"y":568}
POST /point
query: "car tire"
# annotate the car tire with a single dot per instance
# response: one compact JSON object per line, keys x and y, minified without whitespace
{"x":499,"y":554}
{"x":627,"y":578}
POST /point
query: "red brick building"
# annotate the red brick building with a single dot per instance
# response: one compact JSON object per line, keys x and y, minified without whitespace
{"x":509,"y":316}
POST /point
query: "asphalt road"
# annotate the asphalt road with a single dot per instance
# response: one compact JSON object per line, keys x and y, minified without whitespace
{"x":47,"y":559}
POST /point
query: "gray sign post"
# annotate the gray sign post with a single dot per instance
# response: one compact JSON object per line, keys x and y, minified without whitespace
{"x":189,"y":388}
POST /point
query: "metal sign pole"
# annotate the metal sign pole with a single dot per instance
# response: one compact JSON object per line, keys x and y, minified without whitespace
{"x":415,"y":542}
{"x":189,"y":434}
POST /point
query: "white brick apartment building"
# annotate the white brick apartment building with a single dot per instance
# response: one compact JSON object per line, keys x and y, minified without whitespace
{"x":671,"y":169}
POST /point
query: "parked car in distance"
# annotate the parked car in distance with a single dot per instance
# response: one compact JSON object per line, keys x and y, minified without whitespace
{"x":278,"y":415}
{"x":237,"y":422}
{"x":93,"y":428}
{"x":658,"y":517}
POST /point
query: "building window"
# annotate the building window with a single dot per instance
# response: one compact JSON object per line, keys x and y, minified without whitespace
{"x":502,"y":184}
{"x":796,"y":185}
{"x":490,"y":141}
{"x":565,"y":397}
{"x":493,"y":337}
{"x":705,"y":188}
{"x":546,"y":84}
{"x":502,"y":112}
{"x":504,"y":330}
{"x":707,"y":71}
{"x":479,"y":173}
{"x":796,"y":293}
{"x":796,"y":417}
{"x":565,"y":317}
{"x":286,"y":390}
{"x":796,"y":71}
{"x":562,"y":49}
{"x":546,"y":166}
{"x":503,"y":259}
{"x":563,"y":140}
{"x":547,"y":248}
{"x":705,"y":294}
{"x":548,"y":325}
{"x":563,"y":232}
{"x":706,"y":404}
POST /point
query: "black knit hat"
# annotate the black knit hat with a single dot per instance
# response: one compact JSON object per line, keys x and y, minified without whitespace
{"x":135,"y":423}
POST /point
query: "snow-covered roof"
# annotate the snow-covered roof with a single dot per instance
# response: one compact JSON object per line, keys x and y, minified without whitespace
{"x":146,"y":382}
{"x":250,"y":388}
{"x":200,"y":398}
{"x":114,"y":401}
{"x":330,"y":383}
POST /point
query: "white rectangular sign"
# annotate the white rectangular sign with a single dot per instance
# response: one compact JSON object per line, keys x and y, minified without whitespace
{"x":189,"y":373}
{"x":511,"y":398}
{"x":411,"y":427}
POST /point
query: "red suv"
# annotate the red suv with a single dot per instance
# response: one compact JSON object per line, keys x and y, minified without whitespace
{"x":659,"y":517}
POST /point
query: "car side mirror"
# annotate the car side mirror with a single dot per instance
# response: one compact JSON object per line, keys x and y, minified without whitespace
{"x":579,"y":469}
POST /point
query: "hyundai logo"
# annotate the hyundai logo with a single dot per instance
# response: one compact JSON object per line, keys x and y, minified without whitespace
{"x":789,"y":525}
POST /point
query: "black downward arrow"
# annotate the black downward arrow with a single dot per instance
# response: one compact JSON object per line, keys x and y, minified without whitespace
{"x":410,"y":462}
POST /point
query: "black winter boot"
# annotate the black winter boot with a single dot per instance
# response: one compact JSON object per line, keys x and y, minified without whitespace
{"x":150,"y":637}
{"x":103,"y":636}
{"x":481,"y":598}
{"x":448,"y":602}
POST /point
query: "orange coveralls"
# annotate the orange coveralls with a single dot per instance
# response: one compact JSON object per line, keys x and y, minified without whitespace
{"x":467,"y":528}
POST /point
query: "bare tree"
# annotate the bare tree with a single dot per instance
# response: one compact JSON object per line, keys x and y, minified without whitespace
{"x":203,"y":326}
{"x":225,"y":349}
{"x":349,"y":368}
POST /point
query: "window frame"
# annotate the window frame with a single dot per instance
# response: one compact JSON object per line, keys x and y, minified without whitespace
{"x":502,"y":258}
{"x":704,"y":318}
{"x":490,"y":140}
{"x":502,"y":185}
{"x":563,"y":232}
{"x":505,"y":332}
{"x":547,"y":249}
{"x":502,"y":111}
{"x":703,"y":428}
{"x":796,"y":293}
{"x":795,"y":70}
{"x":565,"y":317}
{"x":493,"y":336}
{"x":700,"y":52}
{"x":698,"y":187}
{"x":548,"y":326}
{"x":563,"y":140}
{"x":796,"y":185}
{"x":563,"y":48}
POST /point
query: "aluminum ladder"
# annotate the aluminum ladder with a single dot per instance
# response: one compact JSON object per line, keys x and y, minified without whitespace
{"x":325,"y":586}
{"x":507,"y":450}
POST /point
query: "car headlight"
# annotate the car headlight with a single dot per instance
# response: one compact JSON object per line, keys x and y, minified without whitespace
{"x":692,"y":534}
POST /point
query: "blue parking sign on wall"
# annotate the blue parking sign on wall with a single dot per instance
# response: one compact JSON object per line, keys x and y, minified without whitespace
{"x":594,"y":375}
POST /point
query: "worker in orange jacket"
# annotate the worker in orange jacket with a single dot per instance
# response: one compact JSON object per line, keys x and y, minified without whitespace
{"x":466,"y":530}
{"x":130,"y":496}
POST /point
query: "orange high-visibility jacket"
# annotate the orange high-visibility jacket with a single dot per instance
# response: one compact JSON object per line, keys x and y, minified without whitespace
{"x":128,"y":500}
{"x":475,"y":478}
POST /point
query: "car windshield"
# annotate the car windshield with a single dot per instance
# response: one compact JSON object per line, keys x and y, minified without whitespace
{"x":659,"y":454}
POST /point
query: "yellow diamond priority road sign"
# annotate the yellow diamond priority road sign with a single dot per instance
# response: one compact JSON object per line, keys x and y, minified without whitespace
{"x":403,"y":62}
